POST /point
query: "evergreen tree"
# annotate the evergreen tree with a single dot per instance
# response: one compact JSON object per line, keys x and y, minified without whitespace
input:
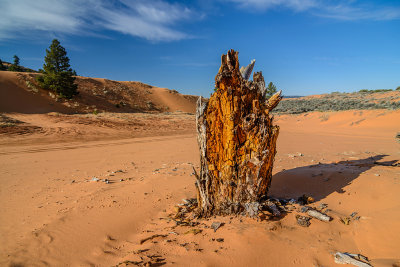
{"x":2,"y":67}
{"x":58,"y":74}
{"x":271,"y":89}
{"x":15,"y":66}
{"x":16,"y":60}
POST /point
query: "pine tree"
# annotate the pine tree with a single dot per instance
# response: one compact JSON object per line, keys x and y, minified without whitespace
{"x":2,"y":67}
{"x":271,"y":89}
{"x":15,"y":66}
{"x":16,"y":60}
{"x":58,"y":74}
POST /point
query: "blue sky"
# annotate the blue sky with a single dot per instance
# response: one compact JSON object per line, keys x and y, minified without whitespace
{"x":303,"y":46}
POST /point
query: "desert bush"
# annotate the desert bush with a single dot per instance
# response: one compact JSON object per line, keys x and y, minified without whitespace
{"x":375,"y":91}
{"x":296,"y":106}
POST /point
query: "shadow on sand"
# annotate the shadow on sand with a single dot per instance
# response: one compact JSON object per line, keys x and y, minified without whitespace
{"x":321,"y":180}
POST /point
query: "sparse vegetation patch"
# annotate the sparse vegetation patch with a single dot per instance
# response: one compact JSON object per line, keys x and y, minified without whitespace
{"x":340,"y":101}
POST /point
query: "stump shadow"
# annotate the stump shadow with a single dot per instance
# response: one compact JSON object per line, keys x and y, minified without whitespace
{"x":321,"y":180}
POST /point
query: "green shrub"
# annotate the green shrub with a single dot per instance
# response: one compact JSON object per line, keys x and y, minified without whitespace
{"x":375,"y":91}
{"x":328,"y":103}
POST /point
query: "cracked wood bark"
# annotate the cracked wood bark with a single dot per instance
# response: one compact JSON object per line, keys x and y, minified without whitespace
{"x":237,"y":142}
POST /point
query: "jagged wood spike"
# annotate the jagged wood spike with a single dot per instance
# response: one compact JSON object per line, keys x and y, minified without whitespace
{"x":237,"y":142}
{"x":246,"y":71}
{"x":274,"y":100}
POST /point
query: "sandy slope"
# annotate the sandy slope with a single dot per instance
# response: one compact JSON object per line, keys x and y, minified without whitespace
{"x":15,"y":96}
{"x":54,"y":214}
{"x":20,"y":93}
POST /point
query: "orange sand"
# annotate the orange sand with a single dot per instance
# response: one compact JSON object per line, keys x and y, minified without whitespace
{"x":54,"y":214}
{"x":49,"y":220}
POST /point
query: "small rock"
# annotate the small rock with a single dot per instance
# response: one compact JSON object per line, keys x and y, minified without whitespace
{"x":273,"y":208}
{"x":305,"y":199}
{"x":304,"y":209}
{"x":73,"y":181}
{"x":323,"y":206}
{"x":194,"y":231}
{"x":303,"y":220}
{"x":219,"y":240}
{"x":377,"y":174}
{"x":345,"y":220}
{"x":95,"y":179}
{"x":252,"y":208}
{"x":216,"y":225}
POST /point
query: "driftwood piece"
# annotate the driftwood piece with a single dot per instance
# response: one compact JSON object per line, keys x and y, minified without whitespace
{"x":318,"y":215}
{"x":272,"y":208}
{"x":354,"y":259}
{"x":237,"y":141}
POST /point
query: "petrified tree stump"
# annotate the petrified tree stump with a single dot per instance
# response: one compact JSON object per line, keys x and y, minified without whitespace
{"x":237,"y":141}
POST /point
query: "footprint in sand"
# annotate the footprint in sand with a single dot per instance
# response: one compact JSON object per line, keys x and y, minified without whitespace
{"x":44,"y":238}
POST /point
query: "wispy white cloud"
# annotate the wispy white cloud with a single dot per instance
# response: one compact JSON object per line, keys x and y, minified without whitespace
{"x":20,"y":18}
{"x":334,"y":9}
{"x":349,"y":10}
{"x":261,"y":5}
{"x":154,"y":20}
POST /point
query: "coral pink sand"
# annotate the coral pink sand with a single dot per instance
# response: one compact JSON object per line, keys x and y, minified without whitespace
{"x":54,"y":214}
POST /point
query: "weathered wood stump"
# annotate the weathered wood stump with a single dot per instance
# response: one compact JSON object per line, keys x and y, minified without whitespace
{"x":237,"y":142}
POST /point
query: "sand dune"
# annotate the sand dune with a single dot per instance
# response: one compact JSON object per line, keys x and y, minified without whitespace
{"x":20,"y":93}
{"x":56,"y":213}
{"x":15,"y":96}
